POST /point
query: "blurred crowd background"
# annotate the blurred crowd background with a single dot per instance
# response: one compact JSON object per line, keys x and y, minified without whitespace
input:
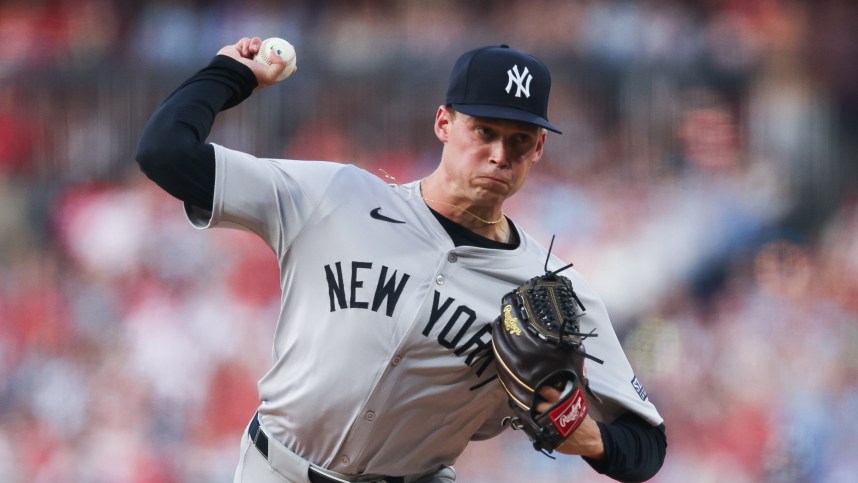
{"x":705,"y":184}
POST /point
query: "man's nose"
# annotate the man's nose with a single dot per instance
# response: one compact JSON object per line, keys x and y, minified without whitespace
{"x":498,"y":154}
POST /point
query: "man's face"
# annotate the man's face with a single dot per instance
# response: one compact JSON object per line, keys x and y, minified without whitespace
{"x":486,"y":159}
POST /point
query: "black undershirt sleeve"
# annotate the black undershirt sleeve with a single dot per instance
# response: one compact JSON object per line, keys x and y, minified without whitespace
{"x":172,"y":151}
{"x":634,"y":449}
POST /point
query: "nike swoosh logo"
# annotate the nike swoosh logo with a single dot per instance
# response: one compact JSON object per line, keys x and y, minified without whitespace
{"x":376,"y":213}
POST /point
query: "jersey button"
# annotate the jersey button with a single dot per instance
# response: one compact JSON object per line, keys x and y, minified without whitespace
{"x":452,"y":258}
{"x":439,"y":280}
{"x":344,"y":460}
{"x":396,"y":360}
{"x":369,"y":416}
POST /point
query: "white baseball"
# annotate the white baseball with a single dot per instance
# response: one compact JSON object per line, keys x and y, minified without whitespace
{"x":284,"y":49}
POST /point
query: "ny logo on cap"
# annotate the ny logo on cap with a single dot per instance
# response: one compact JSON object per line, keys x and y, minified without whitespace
{"x":522,"y":81}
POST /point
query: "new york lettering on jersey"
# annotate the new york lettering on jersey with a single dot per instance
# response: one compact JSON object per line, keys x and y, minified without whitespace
{"x":356,"y":290}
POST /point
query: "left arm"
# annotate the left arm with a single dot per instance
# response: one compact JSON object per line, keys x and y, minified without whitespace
{"x":634,"y":449}
{"x":626,"y":449}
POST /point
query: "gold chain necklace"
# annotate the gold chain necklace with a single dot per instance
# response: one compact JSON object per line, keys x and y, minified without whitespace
{"x":487,"y":222}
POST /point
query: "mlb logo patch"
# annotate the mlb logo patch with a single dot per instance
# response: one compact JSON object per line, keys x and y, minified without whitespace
{"x":639,"y":388}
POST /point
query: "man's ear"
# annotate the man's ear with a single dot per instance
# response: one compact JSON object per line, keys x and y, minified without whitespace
{"x":442,"y":124}
{"x":540,"y":145}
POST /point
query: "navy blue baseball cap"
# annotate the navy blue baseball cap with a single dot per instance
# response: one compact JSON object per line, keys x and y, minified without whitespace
{"x":500,"y":82}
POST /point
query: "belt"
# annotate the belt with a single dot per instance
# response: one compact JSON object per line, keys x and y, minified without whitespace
{"x":260,"y":440}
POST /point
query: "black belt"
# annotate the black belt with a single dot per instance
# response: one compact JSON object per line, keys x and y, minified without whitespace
{"x":260,"y":440}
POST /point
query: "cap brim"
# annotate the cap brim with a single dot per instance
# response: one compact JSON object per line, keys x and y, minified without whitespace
{"x":505,"y":113}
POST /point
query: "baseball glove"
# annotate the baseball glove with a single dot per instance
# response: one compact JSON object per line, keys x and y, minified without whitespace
{"x":537,"y":342}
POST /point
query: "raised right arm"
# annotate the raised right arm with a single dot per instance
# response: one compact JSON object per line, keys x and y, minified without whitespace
{"x":172,"y":151}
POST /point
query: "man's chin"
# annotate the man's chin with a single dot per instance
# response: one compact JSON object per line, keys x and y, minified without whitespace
{"x":492,"y":187}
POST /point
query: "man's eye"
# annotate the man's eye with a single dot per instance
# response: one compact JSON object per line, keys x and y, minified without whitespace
{"x":521,"y":139}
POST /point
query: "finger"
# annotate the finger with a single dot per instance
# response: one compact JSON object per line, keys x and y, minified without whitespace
{"x":277,"y":67}
{"x":548,"y":396}
{"x":549,"y":393}
{"x":275,"y":57}
{"x":248,"y":47}
{"x":253,"y":46}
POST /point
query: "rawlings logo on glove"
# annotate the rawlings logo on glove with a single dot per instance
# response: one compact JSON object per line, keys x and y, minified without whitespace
{"x":569,"y":415}
{"x":510,"y":323}
{"x":537,"y":342}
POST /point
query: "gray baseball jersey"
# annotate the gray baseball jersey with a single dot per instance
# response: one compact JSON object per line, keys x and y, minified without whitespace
{"x":382,"y":358}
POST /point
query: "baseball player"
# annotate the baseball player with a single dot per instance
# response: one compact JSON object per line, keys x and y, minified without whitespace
{"x":382,"y":365}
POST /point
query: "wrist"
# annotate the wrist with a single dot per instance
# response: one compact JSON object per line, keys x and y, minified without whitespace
{"x":586,"y":441}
